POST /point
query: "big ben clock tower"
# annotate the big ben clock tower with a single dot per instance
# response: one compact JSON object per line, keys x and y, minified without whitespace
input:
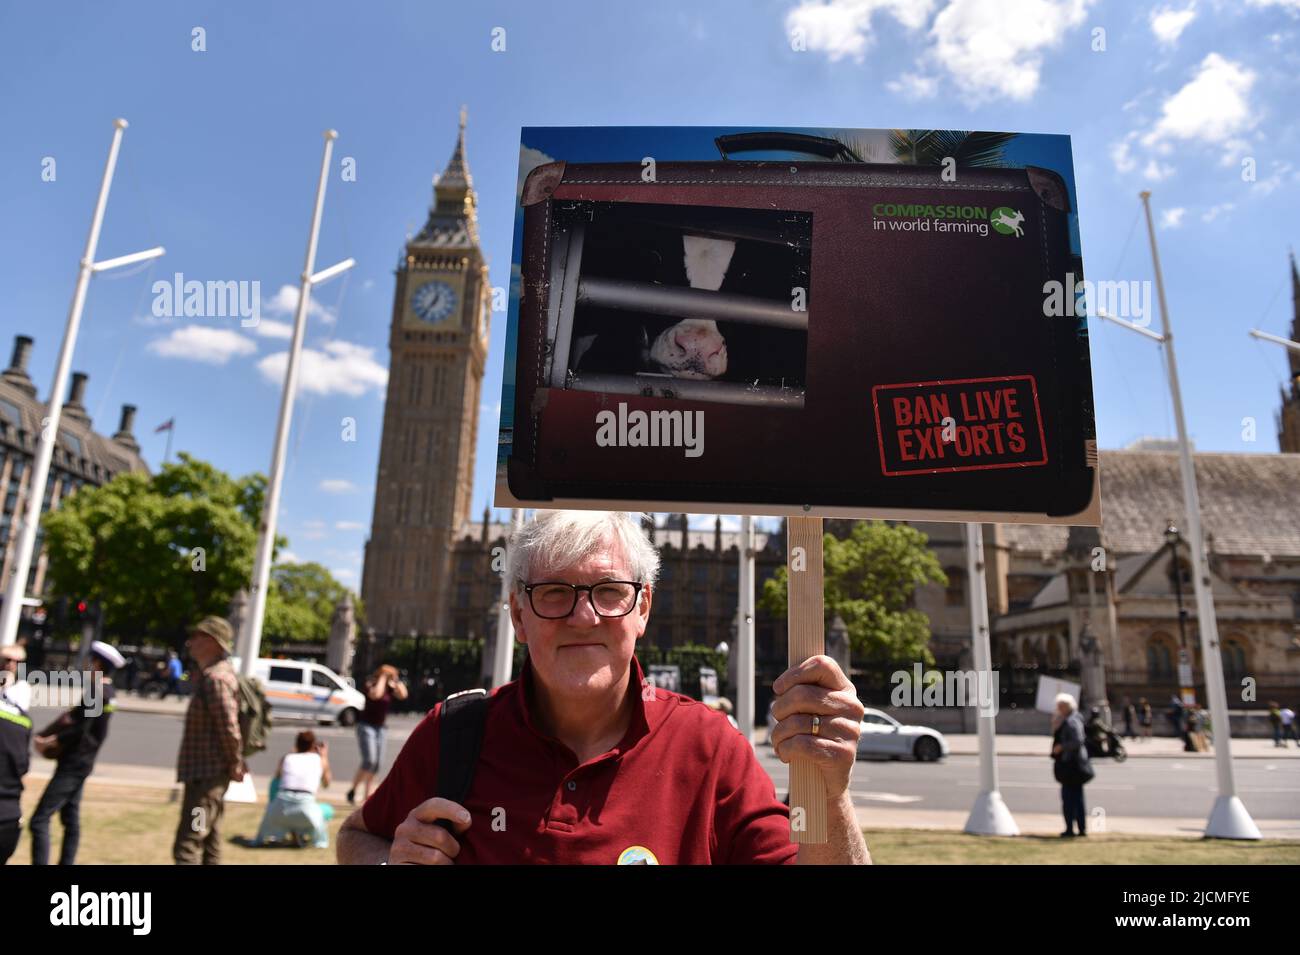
{"x":437,"y":349}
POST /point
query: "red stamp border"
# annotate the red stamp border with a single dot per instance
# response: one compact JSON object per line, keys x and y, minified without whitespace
{"x":880,"y":436}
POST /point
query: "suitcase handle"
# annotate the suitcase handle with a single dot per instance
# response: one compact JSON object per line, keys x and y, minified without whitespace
{"x":832,"y":149}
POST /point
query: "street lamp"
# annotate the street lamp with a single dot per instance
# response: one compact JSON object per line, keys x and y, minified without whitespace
{"x":1186,"y":686}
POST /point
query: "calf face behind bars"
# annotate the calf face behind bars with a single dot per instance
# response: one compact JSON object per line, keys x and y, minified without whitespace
{"x":685,"y":348}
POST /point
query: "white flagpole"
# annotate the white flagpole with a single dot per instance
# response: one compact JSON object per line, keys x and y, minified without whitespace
{"x":266,"y":531}
{"x":990,"y":815}
{"x":1275,"y":339}
{"x":744,"y":648}
{"x":1229,"y":818}
{"x":503,"y":654}
{"x":16,"y":586}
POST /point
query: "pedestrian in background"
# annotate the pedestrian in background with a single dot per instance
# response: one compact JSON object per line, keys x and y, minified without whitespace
{"x":174,"y":673}
{"x":1145,"y":717}
{"x":129,"y":672}
{"x":74,"y":740}
{"x":1289,"y":726}
{"x":19,"y":691}
{"x":293,"y":810}
{"x":1130,"y":718}
{"x":1072,"y":768}
{"x":15,"y":747}
{"x":211,"y":755}
{"x":383,"y":687}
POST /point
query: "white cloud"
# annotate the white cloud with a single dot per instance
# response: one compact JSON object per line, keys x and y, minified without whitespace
{"x":914,"y":86}
{"x":1172,"y":218}
{"x":1281,"y":169}
{"x":367,"y":285}
{"x":841,"y":28}
{"x":212,"y":346}
{"x":349,"y":526}
{"x":1122,"y":157}
{"x":1233,"y":151}
{"x":285,"y":302}
{"x":269,"y":328}
{"x":1211,"y":108}
{"x":341,"y":368}
{"x":343,"y":573}
{"x":337,"y":486}
{"x":1168,"y":24}
{"x":1222,"y":209}
{"x":995,"y":48}
{"x":287,"y":557}
{"x":313,"y":530}
{"x":1293,"y":5}
{"x":1154,"y":171}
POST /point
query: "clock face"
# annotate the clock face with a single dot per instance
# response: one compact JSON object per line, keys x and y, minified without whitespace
{"x":433,"y":301}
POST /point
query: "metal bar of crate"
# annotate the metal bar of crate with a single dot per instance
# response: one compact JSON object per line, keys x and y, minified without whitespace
{"x":665,"y":386}
{"x":688,"y":303}
{"x":565,"y":277}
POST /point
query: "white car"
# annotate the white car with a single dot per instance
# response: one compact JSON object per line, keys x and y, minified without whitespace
{"x":883,"y":736}
{"x":308,"y":691}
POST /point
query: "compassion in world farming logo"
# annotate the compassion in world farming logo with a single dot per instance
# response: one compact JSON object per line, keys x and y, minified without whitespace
{"x":919,"y":217}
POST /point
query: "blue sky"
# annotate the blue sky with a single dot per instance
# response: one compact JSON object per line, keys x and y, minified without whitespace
{"x":220,"y":161}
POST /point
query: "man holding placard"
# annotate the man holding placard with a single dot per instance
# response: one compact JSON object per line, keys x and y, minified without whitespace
{"x":583,"y":761}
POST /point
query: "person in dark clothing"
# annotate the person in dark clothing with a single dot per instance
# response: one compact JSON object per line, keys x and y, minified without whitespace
{"x":15,"y":755}
{"x":1130,"y":719}
{"x":1072,"y":767}
{"x":76,"y":740}
{"x":382,"y":689}
{"x":129,"y":673}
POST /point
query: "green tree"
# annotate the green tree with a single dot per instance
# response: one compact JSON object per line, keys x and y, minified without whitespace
{"x":869,"y":580}
{"x":157,"y":552}
{"x":301,"y":603}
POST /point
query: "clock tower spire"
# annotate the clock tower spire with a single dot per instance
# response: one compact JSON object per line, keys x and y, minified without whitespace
{"x":438,"y":349}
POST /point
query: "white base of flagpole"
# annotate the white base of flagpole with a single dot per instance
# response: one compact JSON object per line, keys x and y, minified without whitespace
{"x":1230,"y":820}
{"x":991,"y":817}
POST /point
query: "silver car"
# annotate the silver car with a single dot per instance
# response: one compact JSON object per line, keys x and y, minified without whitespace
{"x":883,"y":737}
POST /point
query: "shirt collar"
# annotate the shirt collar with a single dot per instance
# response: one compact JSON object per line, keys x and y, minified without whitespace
{"x":637,"y":727}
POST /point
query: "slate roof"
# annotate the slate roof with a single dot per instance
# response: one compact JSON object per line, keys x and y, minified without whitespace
{"x":96,"y":460}
{"x":1250,"y":503}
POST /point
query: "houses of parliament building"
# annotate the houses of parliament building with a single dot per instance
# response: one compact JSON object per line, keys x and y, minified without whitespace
{"x":428,"y":561}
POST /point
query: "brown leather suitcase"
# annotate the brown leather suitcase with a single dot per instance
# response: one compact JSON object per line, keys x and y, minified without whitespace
{"x":917,"y":370}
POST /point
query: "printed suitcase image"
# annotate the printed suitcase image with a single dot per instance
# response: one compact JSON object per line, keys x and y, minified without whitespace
{"x":801,"y":337}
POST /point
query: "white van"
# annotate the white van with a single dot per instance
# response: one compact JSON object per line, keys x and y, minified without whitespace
{"x":307,"y":690}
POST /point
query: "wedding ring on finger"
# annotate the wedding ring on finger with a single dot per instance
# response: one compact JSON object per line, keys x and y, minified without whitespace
{"x":817,"y":725}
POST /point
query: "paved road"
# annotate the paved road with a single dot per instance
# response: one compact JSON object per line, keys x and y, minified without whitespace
{"x":152,"y":739}
{"x":1138,"y":787}
{"x":1141,"y":787}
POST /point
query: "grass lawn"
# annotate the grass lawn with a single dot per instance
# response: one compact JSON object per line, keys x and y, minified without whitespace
{"x":125,"y":825}
{"x":136,"y":825}
{"x":941,"y":847}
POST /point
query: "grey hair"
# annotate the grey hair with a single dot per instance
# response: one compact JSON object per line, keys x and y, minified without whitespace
{"x":557,"y":539}
{"x":1068,"y":700}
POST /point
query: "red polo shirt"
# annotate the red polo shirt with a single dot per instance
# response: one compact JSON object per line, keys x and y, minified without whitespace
{"x":682,"y":783}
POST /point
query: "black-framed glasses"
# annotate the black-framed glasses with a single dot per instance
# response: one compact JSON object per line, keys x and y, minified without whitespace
{"x":555,"y":599}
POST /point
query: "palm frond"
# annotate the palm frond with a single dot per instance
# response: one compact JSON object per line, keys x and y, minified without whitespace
{"x":929,"y":147}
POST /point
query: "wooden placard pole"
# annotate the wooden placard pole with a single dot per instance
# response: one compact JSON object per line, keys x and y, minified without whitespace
{"x":806,"y":623}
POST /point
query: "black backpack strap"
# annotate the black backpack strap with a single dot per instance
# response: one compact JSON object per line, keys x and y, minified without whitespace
{"x":461,"y":721}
